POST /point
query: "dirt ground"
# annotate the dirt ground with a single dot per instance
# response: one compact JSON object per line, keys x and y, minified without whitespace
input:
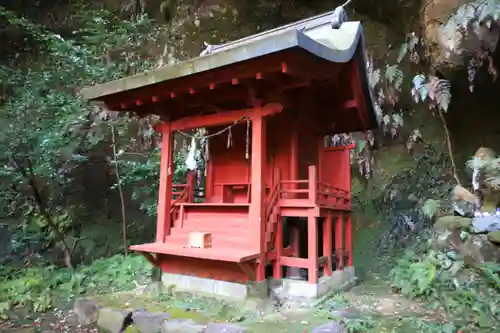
{"x":371,"y":298}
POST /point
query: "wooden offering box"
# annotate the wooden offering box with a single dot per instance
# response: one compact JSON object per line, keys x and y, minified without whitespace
{"x":202,"y":240}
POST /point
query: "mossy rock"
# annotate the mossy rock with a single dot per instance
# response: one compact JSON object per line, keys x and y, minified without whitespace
{"x":452,"y":222}
{"x":132,"y":329}
{"x":494,"y":237}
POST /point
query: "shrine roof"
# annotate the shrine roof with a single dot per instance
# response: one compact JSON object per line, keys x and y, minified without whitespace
{"x":313,"y":35}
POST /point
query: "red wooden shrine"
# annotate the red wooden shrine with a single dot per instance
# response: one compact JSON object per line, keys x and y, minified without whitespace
{"x":277,"y":107}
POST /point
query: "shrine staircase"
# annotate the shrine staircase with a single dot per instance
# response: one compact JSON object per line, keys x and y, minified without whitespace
{"x":273,"y":214}
{"x":227,"y":223}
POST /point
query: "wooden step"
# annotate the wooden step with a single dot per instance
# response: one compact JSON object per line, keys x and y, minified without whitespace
{"x":183,"y":233}
{"x":220,"y":224}
{"x":181,"y":237}
{"x":230,"y":254}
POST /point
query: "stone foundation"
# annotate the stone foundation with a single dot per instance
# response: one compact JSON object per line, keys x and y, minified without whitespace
{"x":302,"y":290}
{"x":286,"y":288}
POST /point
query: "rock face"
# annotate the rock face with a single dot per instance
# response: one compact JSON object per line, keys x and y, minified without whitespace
{"x":86,"y":310}
{"x":454,"y":26}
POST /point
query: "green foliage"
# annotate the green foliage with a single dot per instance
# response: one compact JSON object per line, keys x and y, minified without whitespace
{"x":39,"y":288}
{"x":142,"y":177}
{"x":47,"y":132}
{"x":471,"y":297}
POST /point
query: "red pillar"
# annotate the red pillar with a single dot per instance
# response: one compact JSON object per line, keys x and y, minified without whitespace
{"x":312,"y":249}
{"x":258,"y":188}
{"x":339,"y":240}
{"x":348,"y":239}
{"x":328,"y":244}
{"x":294,"y":157}
{"x":278,"y":245}
{"x":165,"y":191}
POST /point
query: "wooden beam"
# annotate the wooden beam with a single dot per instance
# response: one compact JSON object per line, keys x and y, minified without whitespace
{"x":165,"y":192}
{"x":295,"y":262}
{"x":224,"y":118}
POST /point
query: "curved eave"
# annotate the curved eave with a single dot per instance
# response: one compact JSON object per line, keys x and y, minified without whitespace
{"x":348,"y":35}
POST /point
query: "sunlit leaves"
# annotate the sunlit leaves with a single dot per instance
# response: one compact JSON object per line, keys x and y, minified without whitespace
{"x":394,"y":76}
{"x":486,"y":164}
{"x":409,"y":47}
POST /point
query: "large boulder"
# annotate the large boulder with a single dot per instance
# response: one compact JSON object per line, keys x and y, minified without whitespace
{"x":494,"y":237}
{"x":114,"y":321}
{"x":224,"y":328}
{"x":149,"y":322}
{"x":452,"y":223}
{"x":86,"y":311}
{"x":182,"y":326}
{"x":484,"y":224}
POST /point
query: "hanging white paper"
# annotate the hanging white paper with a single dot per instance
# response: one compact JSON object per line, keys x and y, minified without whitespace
{"x":190,"y":160}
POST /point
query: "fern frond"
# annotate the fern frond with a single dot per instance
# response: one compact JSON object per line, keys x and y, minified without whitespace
{"x":403,"y":50}
{"x":488,"y":10}
{"x":493,"y":182}
{"x":430,"y":208}
{"x":394,"y":76}
{"x":440,"y":92}
{"x":374,"y":78}
{"x":423,"y":92}
{"x":476,"y":163}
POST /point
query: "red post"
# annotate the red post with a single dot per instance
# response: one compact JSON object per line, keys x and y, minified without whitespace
{"x":294,"y":159}
{"x":348,"y":240}
{"x":327,"y":244}
{"x":312,"y":248}
{"x":339,"y":246}
{"x":258,"y":194}
{"x":278,"y":243}
{"x":277,"y":269}
{"x":165,"y":192}
{"x":313,"y":183}
{"x":191,"y":183}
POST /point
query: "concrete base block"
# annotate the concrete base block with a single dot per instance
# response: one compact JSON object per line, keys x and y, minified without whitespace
{"x":209,"y":287}
{"x":300,"y":290}
{"x":286,"y":289}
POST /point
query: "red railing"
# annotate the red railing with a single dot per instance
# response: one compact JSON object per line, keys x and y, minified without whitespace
{"x":312,"y":192}
{"x":184,"y":193}
{"x":271,"y":213}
